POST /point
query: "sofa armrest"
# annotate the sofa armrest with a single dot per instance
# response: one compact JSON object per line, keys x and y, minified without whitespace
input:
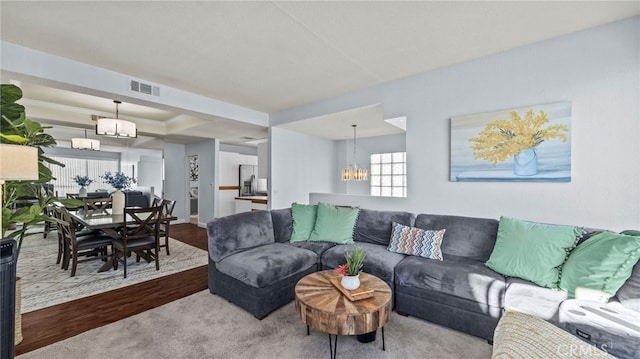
{"x":237,"y":232}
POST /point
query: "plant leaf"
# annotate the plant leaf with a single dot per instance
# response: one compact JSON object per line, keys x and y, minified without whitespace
{"x":10,"y":93}
{"x":14,"y":138}
{"x":12,"y":111}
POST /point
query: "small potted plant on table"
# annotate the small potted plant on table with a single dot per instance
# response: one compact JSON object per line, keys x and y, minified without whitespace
{"x":350,"y":271}
{"x":82,"y":181}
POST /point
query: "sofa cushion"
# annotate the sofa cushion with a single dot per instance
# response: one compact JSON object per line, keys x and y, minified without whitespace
{"x":282,"y":224}
{"x":457,"y":276}
{"x":316,"y":247}
{"x":237,"y":232}
{"x":530,"y":298}
{"x":375,"y":226}
{"x":532,"y":251}
{"x":379,"y":261}
{"x":465,"y":236}
{"x":268,"y":264}
{"x":304,"y":219}
{"x":609,"y":326}
{"x":334,"y":224}
{"x":416,"y":241}
{"x":629,"y":294}
{"x":597,"y":268}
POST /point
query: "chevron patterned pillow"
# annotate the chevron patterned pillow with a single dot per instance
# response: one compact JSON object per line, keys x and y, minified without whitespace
{"x":416,"y":241}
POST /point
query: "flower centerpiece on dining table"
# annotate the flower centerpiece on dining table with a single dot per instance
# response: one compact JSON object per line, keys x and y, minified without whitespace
{"x":119,"y":181}
{"x":350,"y":271}
{"x":82,"y":181}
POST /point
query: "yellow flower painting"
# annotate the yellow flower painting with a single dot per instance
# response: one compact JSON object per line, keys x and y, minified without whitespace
{"x":525,"y":144}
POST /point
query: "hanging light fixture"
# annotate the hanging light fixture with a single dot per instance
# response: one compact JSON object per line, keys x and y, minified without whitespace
{"x":353,"y":172}
{"x":85,"y":143}
{"x":115,"y":126}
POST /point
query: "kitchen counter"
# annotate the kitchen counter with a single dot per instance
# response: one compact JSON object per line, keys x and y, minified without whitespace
{"x":254,"y":199}
{"x":251,"y":203}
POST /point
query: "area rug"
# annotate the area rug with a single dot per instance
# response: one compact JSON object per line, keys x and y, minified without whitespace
{"x":207,"y":326}
{"x":44,"y":284}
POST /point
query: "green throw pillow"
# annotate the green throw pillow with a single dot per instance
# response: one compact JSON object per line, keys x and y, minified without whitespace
{"x":631,"y":232}
{"x":304,"y":219}
{"x":334,"y":224}
{"x":597,"y":268}
{"x":532,"y":251}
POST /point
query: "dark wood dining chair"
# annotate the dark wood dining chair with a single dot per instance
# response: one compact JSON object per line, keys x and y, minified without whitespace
{"x":97,"y":204}
{"x":141,"y":237}
{"x":91,"y":247}
{"x":165,"y":221}
{"x":74,"y":196}
{"x":62,"y":254}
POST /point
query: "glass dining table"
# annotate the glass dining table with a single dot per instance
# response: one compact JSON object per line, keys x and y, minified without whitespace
{"x":108,"y":223}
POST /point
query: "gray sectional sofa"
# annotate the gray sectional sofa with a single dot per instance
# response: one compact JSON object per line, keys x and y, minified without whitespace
{"x":253,"y":265}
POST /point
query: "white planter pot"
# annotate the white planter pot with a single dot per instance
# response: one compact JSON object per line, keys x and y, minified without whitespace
{"x":82,"y":192}
{"x":117,"y":205}
{"x":350,"y":282}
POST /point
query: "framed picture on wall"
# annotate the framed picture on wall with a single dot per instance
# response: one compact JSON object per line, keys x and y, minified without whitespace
{"x":193,"y":168}
{"x":527,"y":144}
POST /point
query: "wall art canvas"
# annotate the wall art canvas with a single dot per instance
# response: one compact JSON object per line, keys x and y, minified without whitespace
{"x":193,"y":168}
{"x":527,"y":144}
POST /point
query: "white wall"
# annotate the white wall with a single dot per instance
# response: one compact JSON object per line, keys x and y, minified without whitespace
{"x":175,"y":183}
{"x":299,"y":164}
{"x":150,"y":174}
{"x":597,"y":70}
{"x":208,"y":152}
{"x":366,"y":146}
{"x":229,"y":176}
{"x":134,"y":161}
{"x":263,"y":160}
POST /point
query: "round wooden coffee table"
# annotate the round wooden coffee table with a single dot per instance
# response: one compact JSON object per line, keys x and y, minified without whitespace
{"x":323,"y":307}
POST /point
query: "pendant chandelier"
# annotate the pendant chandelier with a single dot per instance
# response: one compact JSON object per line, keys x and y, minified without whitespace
{"x":353,"y":172}
{"x":85,"y":143}
{"x":115,"y":126}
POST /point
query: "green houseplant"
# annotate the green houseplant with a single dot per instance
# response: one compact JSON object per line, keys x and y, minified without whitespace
{"x":25,"y":202}
{"x":350,"y":271}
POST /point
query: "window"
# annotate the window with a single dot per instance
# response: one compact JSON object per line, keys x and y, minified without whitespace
{"x":389,"y":174}
{"x":94,"y":168}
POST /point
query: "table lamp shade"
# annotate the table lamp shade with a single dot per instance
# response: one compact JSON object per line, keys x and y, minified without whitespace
{"x":18,"y":162}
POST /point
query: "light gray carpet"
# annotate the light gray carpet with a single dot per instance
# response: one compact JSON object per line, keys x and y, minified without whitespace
{"x":207,"y":326}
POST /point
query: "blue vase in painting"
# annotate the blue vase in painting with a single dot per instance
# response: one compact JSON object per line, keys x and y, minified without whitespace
{"x":525,"y":163}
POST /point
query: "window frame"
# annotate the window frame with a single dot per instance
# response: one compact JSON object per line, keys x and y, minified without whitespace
{"x":387,"y":169}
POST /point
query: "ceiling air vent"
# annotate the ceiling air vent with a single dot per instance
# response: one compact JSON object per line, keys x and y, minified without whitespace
{"x":141,"y":87}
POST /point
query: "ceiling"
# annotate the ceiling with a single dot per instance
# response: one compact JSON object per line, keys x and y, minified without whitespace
{"x":270,"y":56}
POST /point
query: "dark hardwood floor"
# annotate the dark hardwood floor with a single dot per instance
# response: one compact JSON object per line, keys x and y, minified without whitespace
{"x":49,"y":325}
